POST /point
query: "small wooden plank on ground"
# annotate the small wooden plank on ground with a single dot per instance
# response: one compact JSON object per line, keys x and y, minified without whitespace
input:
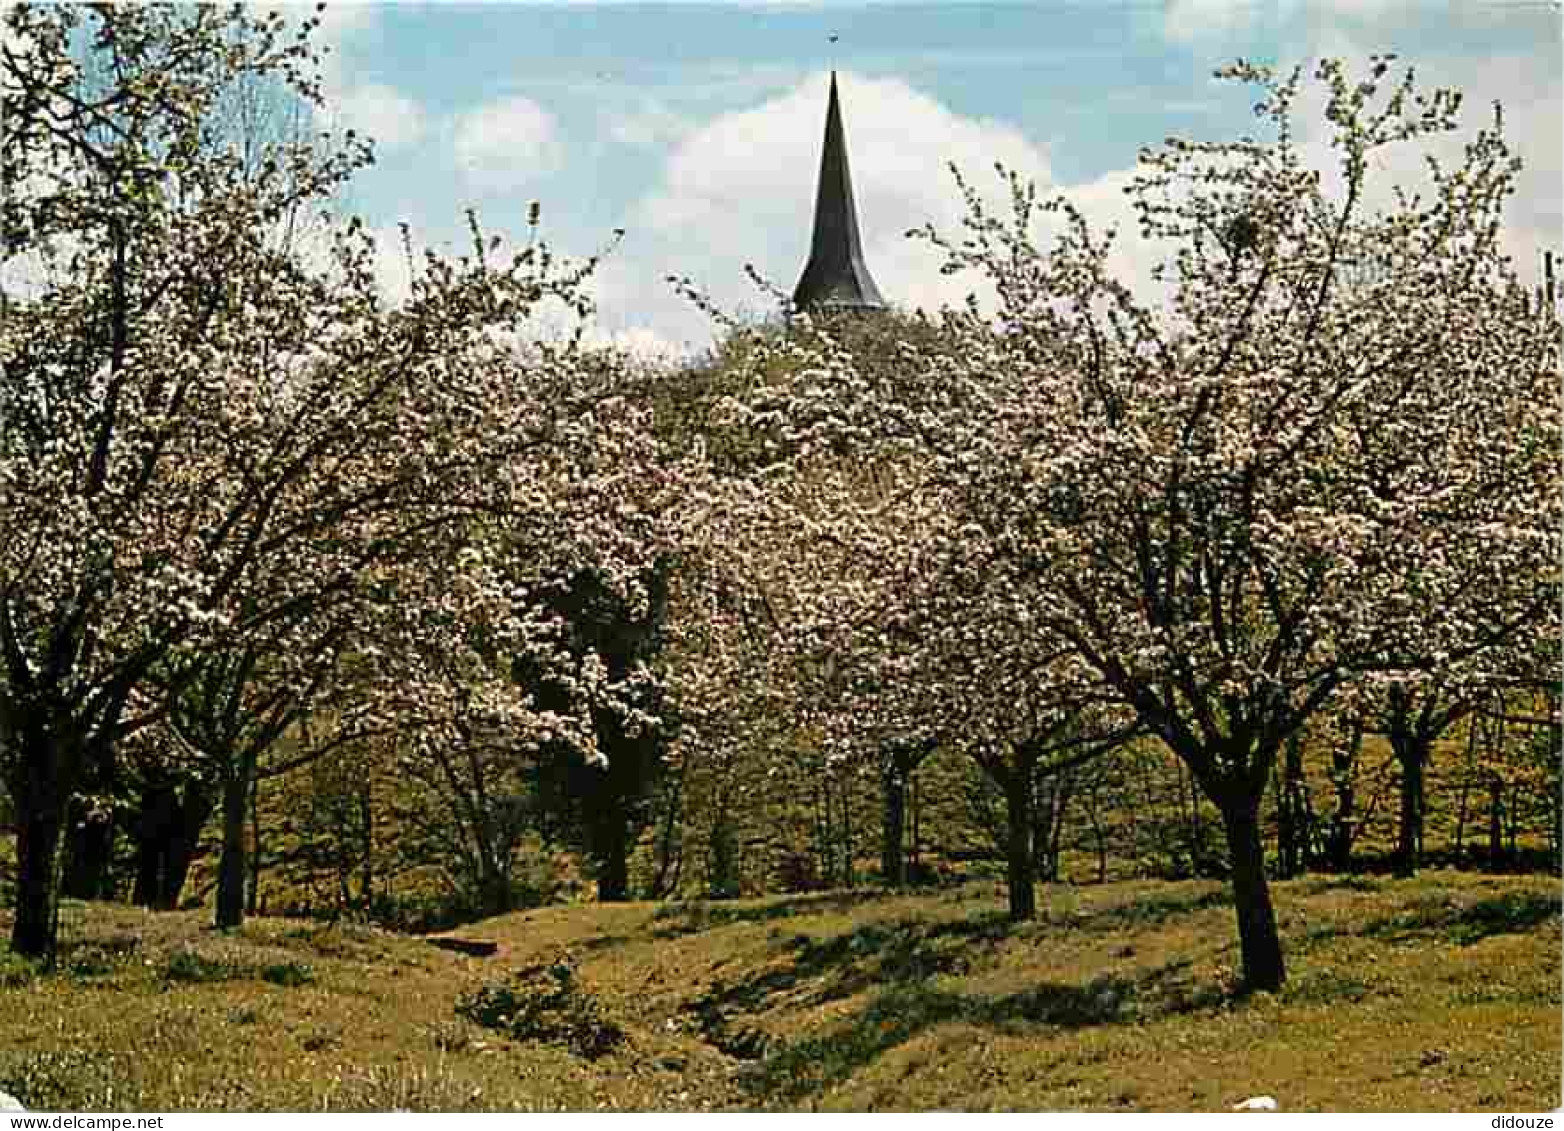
{"x":474,"y":948}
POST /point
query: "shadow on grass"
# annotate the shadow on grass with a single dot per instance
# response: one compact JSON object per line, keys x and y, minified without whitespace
{"x":691,"y":918}
{"x":1153,"y":911}
{"x":903,"y":961}
{"x":904,"y":1010}
{"x":1318,"y":885}
{"x":1465,"y":924}
{"x":875,"y":954}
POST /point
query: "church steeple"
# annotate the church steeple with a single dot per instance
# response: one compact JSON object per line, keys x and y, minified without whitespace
{"x":835,"y":276}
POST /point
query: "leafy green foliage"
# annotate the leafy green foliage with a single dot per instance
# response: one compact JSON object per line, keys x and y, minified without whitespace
{"x":544,"y":1003}
{"x":59,"y":1080}
{"x":288,"y":974}
{"x":190,"y":966}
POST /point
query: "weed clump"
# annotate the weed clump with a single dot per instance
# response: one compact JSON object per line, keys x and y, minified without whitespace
{"x":288,"y":974}
{"x":188,"y":966}
{"x":60,"y":1080}
{"x":17,"y":970}
{"x":546,"y":1004}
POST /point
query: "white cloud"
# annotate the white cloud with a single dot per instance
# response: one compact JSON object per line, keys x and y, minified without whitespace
{"x":1188,"y":21}
{"x":1529,"y":87}
{"x":507,"y":142}
{"x":741,"y":189}
{"x":383,"y":113}
{"x":650,"y":124}
{"x":344,"y":17}
{"x":393,"y":268}
{"x":1526,"y":82}
{"x":639,"y":341}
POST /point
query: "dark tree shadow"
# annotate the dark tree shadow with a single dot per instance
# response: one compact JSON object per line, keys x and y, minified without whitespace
{"x":794,"y":1071}
{"x":898,"y":963}
{"x":701,"y":915}
{"x":1155,"y":910}
{"x":1507,"y":914}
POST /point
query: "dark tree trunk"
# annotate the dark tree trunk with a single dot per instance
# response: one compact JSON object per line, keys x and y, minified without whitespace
{"x":1462,"y":809}
{"x":821,"y":812}
{"x":670,"y":849}
{"x":1555,"y":819}
{"x":190,"y":817}
{"x":252,"y":900}
{"x":167,"y":830}
{"x":1411,"y":751}
{"x":366,"y":816}
{"x":611,"y":849}
{"x":1343,"y":822}
{"x":176,"y":869}
{"x":1197,"y":836}
{"x":1099,"y":836}
{"x":1063,"y":791}
{"x":494,"y":890}
{"x":89,"y":863}
{"x":143,"y":892}
{"x":151,"y":829}
{"x":1259,"y":943}
{"x":1045,"y":845}
{"x":1020,"y":875}
{"x":893,"y":854}
{"x":40,"y":824}
{"x":849,"y":849}
{"x":1291,"y":828}
{"x":1463,"y":801}
{"x":231,"y":864}
{"x":1495,"y":823}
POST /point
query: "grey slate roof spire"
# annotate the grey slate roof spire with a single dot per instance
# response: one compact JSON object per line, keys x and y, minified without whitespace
{"x":835,"y":276}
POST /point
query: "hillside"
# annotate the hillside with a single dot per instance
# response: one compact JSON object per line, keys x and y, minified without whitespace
{"x":1439,"y":993}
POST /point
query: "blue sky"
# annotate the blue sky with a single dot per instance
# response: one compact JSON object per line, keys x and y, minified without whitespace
{"x":695,"y":128}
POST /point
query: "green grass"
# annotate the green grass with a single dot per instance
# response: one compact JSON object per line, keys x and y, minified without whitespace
{"x":1437,"y":993}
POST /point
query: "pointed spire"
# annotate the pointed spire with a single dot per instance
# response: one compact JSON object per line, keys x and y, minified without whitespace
{"x":835,"y":275}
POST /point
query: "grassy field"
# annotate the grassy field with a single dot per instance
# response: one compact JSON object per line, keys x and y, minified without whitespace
{"x":1439,"y":993}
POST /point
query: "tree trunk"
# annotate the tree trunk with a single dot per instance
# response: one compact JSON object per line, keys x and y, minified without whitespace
{"x":1020,"y":875}
{"x":1495,"y":823}
{"x":40,"y":822}
{"x":1197,"y":836}
{"x":143,"y":892}
{"x":821,"y":812}
{"x":1259,"y":943}
{"x":181,"y":839}
{"x":177,"y":856}
{"x":366,"y":871}
{"x":231,"y":865}
{"x":670,"y":849}
{"x":1290,"y":828}
{"x":154,"y":818}
{"x":253,"y":897}
{"x":849,"y":846}
{"x":1411,"y":751}
{"x":1045,"y":805}
{"x":89,"y":864}
{"x":611,"y":851}
{"x":1343,"y":825}
{"x":1099,"y":836}
{"x":893,"y":855}
{"x":494,"y":892}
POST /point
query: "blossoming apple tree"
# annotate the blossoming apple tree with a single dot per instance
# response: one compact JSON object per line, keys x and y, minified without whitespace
{"x":1233,"y":505}
{"x":208,"y":443}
